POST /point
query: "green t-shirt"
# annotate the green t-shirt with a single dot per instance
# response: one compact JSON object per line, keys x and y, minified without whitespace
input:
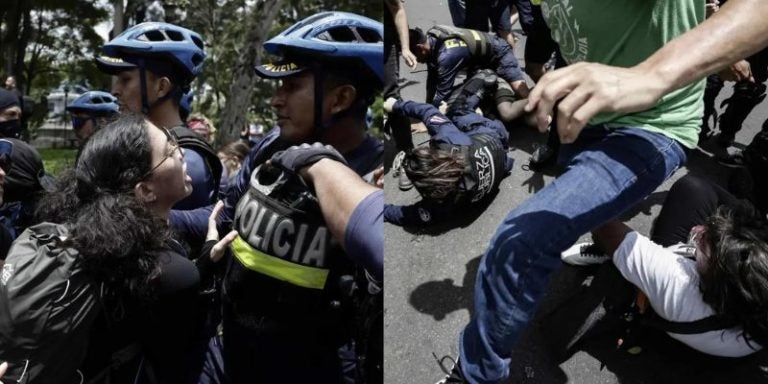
{"x":623,"y":33}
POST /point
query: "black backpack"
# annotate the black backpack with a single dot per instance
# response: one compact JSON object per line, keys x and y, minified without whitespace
{"x":47,"y":307}
{"x":188,"y":139}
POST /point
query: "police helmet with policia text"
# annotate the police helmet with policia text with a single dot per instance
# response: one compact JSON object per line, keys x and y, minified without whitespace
{"x":330,"y":41}
{"x":162,"y":48}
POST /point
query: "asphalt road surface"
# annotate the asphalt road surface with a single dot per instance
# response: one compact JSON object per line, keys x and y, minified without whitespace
{"x":430,"y":274}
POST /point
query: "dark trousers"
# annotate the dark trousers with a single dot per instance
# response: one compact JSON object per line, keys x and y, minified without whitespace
{"x":397,"y":125}
{"x":690,"y":202}
{"x":274,"y":352}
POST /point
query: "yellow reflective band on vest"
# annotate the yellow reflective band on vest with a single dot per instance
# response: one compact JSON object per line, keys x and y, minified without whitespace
{"x":536,"y":2}
{"x":255,"y":260}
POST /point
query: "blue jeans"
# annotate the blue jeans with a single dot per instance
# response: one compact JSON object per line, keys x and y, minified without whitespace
{"x":612,"y":170}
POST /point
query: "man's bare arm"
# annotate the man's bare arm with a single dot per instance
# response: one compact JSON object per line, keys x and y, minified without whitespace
{"x":586,"y":89}
{"x":401,"y":24}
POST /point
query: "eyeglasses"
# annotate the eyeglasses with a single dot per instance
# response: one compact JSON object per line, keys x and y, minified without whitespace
{"x":173,"y":141}
{"x":6,"y":147}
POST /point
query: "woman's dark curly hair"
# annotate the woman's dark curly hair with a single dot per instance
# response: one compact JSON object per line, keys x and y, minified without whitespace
{"x":734,"y":281}
{"x":114,"y":232}
{"x":434,"y":172}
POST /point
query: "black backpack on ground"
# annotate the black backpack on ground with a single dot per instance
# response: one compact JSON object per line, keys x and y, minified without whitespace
{"x":47,"y":307}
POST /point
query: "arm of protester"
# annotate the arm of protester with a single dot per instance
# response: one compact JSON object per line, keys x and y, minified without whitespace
{"x":3,"y":368}
{"x":401,"y":24}
{"x":448,"y":67}
{"x":586,"y":89}
{"x":213,"y":248}
{"x":610,"y":235}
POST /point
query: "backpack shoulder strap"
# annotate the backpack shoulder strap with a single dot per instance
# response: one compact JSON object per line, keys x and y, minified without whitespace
{"x":190,"y":140}
{"x":707,"y":324}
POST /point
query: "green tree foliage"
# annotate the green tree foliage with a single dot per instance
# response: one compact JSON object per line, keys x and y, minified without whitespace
{"x":228,"y":27}
{"x":45,"y":42}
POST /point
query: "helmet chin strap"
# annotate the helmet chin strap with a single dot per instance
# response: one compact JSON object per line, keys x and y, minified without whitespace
{"x":145,"y":105}
{"x":320,"y":126}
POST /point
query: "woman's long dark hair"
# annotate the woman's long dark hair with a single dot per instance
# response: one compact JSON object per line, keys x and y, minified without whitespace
{"x":113,"y":231}
{"x":735,"y":279}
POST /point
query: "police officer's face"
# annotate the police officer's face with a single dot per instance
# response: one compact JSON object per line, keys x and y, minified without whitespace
{"x":294,"y":106}
{"x":127,"y":89}
{"x":86,"y":127}
{"x":422,"y":52}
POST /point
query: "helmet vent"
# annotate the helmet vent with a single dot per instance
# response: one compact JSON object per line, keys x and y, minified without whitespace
{"x":153,"y":36}
{"x":369,"y":35}
{"x":340,"y":34}
{"x":175,"y":35}
{"x":197,"y":42}
{"x":197,"y":59}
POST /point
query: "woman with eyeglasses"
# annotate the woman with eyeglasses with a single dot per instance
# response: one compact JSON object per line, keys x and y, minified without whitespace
{"x":116,"y":202}
{"x":707,"y":258}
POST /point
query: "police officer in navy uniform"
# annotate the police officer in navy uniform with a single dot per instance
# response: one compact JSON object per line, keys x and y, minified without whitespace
{"x":298,"y":278}
{"x":448,"y":50}
{"x":155,"y":63}
{"x":465,"y":161}
{"x":91,"y":111}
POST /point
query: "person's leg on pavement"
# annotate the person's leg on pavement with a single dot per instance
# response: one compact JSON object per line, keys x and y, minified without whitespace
{"x":458,"y":10}
{"x":398,"y":126}
{"x":714,"y":85}
{"x":746,"y":96}
{"x":500,"y":23}
{"x":690,"y":202}
{"x":524,"y":12}
{"x":476,"y":16}
{"x":612,"y":171}
{"x":539,"y":46}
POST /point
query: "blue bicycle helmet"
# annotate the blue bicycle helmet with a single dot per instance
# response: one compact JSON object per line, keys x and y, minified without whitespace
{"x":96,"y":103}
{"x":153,"y":40}
{"x":328,"y":36}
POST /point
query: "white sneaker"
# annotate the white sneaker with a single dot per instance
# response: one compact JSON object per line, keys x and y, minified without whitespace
{"x":397,"y":164}
{"x":584,"y":254}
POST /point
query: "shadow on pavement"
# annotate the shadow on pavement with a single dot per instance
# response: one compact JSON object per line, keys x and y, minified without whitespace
{"x":439,"y":298}
{"x":468,"y":215}
{"x":579,"y":323}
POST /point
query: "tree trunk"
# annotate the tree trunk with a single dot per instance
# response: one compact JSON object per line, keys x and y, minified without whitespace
{"x":118,"y":24}
{"x":21,"y":47}
{"x":232,"y":118}
{"x":11,"y":36}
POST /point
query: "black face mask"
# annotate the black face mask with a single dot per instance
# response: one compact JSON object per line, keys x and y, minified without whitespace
{"x":11,"y":128}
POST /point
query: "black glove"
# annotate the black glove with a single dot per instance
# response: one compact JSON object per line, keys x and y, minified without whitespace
{"x":295,"y":158}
